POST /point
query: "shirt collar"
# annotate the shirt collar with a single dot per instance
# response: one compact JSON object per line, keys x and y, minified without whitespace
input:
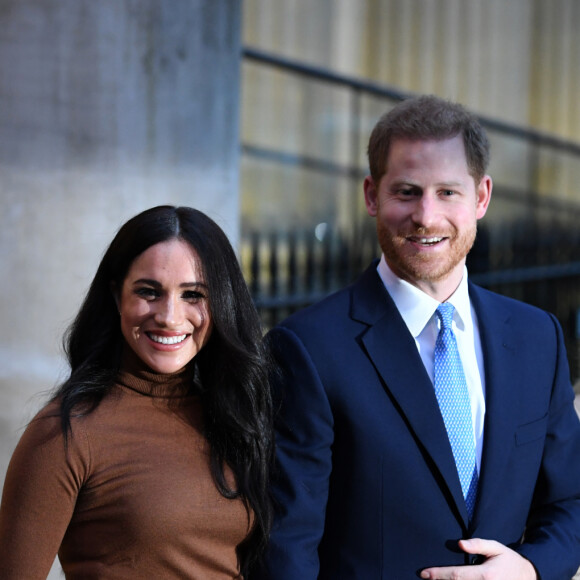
{"x":416,"y":307}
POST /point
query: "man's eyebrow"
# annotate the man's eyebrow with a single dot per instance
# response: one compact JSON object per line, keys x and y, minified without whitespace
{"x":450,"y":184}
{"x":410,"y":183}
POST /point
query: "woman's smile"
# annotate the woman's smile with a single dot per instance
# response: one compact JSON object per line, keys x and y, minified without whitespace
{"x":164,"y":306}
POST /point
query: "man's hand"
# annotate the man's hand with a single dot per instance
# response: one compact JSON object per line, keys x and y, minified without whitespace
{"x":501,"y":563}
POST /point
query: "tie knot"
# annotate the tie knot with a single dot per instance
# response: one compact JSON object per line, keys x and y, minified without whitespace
{"x":445,"y":313}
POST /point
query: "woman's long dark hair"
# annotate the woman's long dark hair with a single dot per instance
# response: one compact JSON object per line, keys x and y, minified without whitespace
{"x":232,"y":369}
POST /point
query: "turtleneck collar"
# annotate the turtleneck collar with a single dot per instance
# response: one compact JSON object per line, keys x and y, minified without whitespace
{"x":137,"y":376}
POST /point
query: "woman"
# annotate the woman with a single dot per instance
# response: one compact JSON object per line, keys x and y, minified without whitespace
{"x":151,"y":460}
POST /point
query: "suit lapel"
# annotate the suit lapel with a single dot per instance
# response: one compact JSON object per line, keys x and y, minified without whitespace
{"x":393,"y":352}
{"x":501,"y":370}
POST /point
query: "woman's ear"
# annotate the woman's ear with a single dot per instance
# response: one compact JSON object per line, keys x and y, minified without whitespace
{"x":115,"y":293}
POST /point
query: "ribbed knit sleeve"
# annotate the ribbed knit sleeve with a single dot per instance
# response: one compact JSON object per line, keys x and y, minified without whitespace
{"x":39,"y":495}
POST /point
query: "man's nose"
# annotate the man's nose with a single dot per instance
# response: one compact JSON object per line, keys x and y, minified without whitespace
{"x":425,"y":211}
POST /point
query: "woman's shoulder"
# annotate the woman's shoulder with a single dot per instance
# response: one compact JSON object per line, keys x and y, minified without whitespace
{"x":44,"y":463}
{"x":47,"y":428}
{"x":42,"y":441}
{"x":46,"y":422}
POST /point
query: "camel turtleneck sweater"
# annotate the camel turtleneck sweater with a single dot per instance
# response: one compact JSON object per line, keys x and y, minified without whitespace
{"x":132,"y":496}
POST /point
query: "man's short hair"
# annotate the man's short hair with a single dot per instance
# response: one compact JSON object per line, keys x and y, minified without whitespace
{"x":428,"y":118}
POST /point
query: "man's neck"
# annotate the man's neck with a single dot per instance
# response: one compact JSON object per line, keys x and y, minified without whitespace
{"x":440,"y":289}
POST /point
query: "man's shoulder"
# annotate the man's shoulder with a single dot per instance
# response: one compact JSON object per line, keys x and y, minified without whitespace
{"x":487,"y":301}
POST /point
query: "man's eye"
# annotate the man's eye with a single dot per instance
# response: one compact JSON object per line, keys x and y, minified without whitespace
{"x":448,"y":192}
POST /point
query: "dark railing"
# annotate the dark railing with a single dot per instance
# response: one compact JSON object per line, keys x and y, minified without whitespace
{"x":288,"y":271}
{"x":535,"y":258}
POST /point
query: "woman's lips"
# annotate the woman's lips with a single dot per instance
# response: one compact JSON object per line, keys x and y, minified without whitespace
{"x":165,"y":339}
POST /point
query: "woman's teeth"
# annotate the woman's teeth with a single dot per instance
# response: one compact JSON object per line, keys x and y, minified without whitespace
{"x":167,"y":339}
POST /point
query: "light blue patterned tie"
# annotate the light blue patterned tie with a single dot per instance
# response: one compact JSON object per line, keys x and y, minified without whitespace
{"x":453,"y":397}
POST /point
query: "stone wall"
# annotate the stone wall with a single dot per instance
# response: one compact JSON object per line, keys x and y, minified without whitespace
{"x":106,"y":108}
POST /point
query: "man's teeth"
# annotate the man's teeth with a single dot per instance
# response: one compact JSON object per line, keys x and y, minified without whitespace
{"x":430,"y":240}
{"x":167,"y":339}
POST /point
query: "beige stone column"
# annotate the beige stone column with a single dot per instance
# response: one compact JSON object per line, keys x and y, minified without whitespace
{"x":106,"y":108}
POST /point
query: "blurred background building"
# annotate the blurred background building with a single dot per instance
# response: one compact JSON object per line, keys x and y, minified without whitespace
{"x":258,"y":112}
{"x":317,"y":75}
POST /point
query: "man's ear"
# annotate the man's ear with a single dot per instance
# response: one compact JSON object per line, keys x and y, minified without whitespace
{"x":370,"y":190}
{"x":483,"y":196}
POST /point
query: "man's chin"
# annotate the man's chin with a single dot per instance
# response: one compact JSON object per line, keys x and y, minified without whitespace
{"x":422,"y":270}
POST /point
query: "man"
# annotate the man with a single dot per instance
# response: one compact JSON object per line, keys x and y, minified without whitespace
{"x":373,"y":446}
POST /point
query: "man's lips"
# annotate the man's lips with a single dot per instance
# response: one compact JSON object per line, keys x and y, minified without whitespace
{"x":426,"y":240}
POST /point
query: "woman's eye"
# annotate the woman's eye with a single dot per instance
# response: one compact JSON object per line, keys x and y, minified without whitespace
{"x":147,"y":293}
{"x":193,"y":296}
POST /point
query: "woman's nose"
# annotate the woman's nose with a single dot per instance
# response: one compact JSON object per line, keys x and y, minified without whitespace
{"x":169,"y":312}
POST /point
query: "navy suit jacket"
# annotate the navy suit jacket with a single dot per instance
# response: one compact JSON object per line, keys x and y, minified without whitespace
{"x":366,"y":484}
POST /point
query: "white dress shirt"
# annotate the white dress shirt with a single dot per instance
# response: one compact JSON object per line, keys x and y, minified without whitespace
{"x":418,"y":311}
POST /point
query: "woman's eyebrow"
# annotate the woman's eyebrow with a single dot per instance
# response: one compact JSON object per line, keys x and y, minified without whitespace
{"x":157,"y":284}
